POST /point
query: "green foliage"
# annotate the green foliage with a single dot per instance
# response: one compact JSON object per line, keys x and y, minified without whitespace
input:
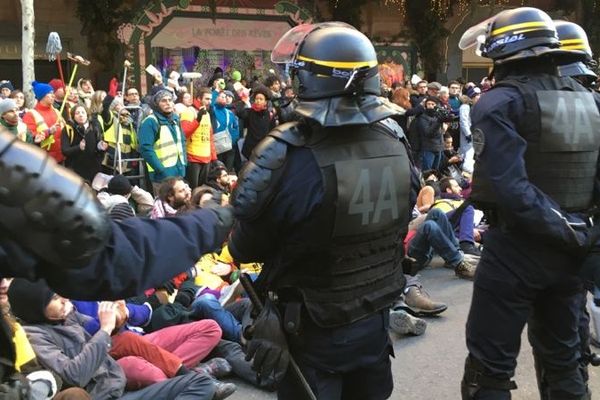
{"x":348,"y":11}
{"x":427,"y":30}
{"x":591,"y":23}
{"x":100,"y":20}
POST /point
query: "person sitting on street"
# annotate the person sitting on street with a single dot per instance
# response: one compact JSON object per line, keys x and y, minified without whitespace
{"x":62,"y":345}
{"x":173,"y":194}
{"x":433,"y":232}
{"x":117,"y":195}
{"x":163,"y":354}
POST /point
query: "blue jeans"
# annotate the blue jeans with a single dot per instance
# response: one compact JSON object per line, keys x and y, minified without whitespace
{"x":208,"y":307}
{"x":430,"y":160}
{"x":465,"y":224}
{"x":435,"y":234}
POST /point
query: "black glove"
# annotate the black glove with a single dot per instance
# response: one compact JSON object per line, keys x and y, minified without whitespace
{"x":267,"y":345}
{"x":469,"y":138}
{"x":168,"y":286}
{"x":200,"y":114}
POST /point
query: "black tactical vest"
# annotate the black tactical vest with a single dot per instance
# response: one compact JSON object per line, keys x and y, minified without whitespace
{"x":561,"y":125}
{"x":350,"y":265}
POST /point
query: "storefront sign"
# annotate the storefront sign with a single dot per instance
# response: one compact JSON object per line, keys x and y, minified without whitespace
{"x":225,"y":34}
{"x":11,"y":50}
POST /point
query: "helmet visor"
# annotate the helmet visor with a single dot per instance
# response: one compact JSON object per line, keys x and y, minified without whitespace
{"x":474,"y":35}
{"x":286,"y":49}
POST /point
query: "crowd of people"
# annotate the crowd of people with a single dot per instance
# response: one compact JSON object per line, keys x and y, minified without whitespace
{"x":170,"y":152}
{"x":190,"y":149}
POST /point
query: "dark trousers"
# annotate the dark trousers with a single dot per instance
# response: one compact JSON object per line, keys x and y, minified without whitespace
{"x":196,"y":174}
{"x":227,"y":158}
{"x":350,"y":362}
{"x":520,"y":282}
{"x":191,"y":386}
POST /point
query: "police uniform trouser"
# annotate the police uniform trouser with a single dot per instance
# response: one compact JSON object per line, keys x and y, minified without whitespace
{"x":349,"y":362}
{"x":520,"y":281}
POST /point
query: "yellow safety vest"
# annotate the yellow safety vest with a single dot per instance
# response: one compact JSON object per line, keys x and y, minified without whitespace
{"x":24,"y":351}
{"x":110,"y":135}
{"x":40,"y":126}
{"x":447,"y":205}
{"x":167,"y":150}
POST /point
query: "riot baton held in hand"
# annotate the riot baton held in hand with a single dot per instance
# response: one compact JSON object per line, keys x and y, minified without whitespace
{"x":257,"y":304}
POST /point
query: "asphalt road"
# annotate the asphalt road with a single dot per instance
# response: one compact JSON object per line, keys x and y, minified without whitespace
{"x":429,"y":367}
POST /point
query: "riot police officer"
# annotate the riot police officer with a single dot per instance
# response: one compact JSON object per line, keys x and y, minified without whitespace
{"x":573,"y":38}
{"x":324,"y":202}
{"x":536,"y":141}
{"x":52,"y":227}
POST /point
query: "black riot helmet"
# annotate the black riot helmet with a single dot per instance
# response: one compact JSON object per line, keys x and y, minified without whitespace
{"x":574,"y":39}
{"x":517,"y":34}
{"x":330,"y":59}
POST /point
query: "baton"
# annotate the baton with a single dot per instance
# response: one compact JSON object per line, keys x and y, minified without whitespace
{"x":249,"y":288}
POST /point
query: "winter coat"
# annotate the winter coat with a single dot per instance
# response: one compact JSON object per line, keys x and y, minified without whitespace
{"x":81,"y":360}
{"x":87,"y":162}
{"x":429,"y":128}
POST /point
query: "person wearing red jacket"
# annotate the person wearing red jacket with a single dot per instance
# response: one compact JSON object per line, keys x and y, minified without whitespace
{"x":45,"y":121}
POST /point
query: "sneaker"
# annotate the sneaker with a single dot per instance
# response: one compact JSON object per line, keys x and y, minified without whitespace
{"x":418,"y":303}
{"x":230,"y":294}
{"x":402,"y":323}
{"x":465,"y":269}
{"x":470,"y":248}
{"x":216,"y":367}
{"x":223,"y":390}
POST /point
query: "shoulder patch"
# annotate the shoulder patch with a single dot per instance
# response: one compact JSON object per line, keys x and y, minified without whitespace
{"x":478,"y":141}
{"x":393,"y":127}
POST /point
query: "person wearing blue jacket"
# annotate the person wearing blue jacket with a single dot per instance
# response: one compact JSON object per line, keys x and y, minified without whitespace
{"x":226,"y":121}
{"x":161,"y":140}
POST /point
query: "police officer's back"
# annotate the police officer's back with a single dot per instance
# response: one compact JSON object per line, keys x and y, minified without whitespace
{"x":536,"y":142}
{"x":324,"y":202}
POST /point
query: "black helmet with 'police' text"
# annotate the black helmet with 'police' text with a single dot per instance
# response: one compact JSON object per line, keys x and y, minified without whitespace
{"x":517,"y":34}
{"x":330,"y":59}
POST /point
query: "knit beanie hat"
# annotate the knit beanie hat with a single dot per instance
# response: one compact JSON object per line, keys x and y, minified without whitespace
{"x":28,"y":300}
{"x":6,"y":84}
{"x":236,"y":76}
{"x":56,"y":84}
{"x":119,"y":185}
{"x":41,"y":89}
{"x":160,"y":95}
{"x":433,"y":99}
{"x":6,"y":105}
{"x":473,"y":91}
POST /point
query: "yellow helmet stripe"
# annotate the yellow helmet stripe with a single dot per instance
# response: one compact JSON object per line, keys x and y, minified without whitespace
{"x":522,"y":25}
{"x":571,"y":41}
{"x":574,"y":47}
{"x":340,"y":64}
{"x":527,"y":30}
